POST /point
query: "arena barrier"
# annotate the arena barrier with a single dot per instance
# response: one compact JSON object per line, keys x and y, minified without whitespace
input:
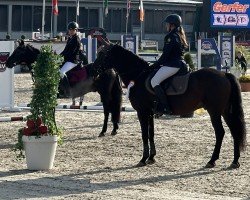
{"x":6,"y":76}
{"x":12,"y":119}
{"x":84,"y":107}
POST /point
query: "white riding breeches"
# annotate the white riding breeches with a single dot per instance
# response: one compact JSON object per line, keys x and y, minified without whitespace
{"x":66,"y":67}
{"x":163,"y":73}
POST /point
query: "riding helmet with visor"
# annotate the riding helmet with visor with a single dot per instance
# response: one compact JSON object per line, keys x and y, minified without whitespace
{"x":174,"y":19}
{"x":73,"y":25}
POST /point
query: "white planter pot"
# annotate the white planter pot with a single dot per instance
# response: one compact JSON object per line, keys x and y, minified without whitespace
{"x":40,"y":151}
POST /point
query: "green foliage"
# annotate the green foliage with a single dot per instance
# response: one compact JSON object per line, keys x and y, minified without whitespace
{"x":244,"y":79}
{"x":44,"y":98}
{"x":47,"y":77}
{"x":189,"y":60}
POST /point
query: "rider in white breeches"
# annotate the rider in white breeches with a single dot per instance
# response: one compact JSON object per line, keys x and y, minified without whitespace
{"x":170,"y":62}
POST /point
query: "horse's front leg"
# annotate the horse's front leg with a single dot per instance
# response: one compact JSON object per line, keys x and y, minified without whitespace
{"x":151,"y":134}
{"x":73,"y":101}
{"x":144,"y":122}
{"x":106,"y":116}
{"x":81,"y":100}
{"x":105,"y":123}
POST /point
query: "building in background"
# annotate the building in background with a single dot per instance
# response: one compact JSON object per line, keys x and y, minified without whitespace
{"x":25,"y":16}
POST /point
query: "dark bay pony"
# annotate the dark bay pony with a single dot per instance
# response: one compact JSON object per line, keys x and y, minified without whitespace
{"x":107,"y":85}
{"x":218,"y":92}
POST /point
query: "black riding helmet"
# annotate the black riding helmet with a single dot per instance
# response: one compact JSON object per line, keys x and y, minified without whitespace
{"x":73,"y":25}
{"x":174,"y":19}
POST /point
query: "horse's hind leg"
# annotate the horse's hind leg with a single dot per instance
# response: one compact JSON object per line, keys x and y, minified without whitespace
{"x":230,"y":123}
{"x":219,"y":134}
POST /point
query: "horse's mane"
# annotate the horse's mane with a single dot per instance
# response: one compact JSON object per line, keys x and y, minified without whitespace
{"x":127,"y":57}
{"x":32,"y":49}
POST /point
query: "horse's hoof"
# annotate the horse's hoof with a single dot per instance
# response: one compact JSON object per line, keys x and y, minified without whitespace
{"x":141,"y":164}
{"x":234,"y":166}
{"x":150,"y":161}
{"x":101,"y":135}
{"x":210,"y":165}
{"x":113,"y":133}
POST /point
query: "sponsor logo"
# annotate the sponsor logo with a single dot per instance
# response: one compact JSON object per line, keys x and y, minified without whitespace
{"x":235,"y":7}
{"x":3,"y":58}
{"x":206,"y":45}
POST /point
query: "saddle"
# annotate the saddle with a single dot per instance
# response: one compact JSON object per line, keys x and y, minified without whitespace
{"x":77,"y":74}
{"x":175,"y":85}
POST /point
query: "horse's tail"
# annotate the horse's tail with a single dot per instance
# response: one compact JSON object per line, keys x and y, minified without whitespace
{"x":116,"y":100}
{"x":235,"y":114}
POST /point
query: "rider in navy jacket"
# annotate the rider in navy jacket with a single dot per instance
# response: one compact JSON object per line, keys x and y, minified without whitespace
{"x":173,"y":51}
{"x":170,"y":62}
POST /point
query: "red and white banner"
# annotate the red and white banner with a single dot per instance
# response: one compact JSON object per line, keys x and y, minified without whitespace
{"x":55,"y":7}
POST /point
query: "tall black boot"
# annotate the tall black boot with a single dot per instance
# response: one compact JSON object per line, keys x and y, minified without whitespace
{"x":65,"y":86}
{"x":162,"y":106}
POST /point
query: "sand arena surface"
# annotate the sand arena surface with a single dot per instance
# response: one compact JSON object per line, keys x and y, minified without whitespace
{"x":88,"y":167}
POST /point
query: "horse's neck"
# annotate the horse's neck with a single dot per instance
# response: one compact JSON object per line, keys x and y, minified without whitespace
{"x":129,"y":71}
{"x":34,"y":52}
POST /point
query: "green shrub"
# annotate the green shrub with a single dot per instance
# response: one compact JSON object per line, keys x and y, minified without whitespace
{"x":41,"y":121}
{"x":189,"y":60}
{"x":244,"y":79}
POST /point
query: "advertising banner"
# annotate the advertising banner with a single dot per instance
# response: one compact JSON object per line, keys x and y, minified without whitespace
{"x":208,"y":54}
{"x":230,"y":14}
{"x":130,"y":42}
{"x":226,"y":46}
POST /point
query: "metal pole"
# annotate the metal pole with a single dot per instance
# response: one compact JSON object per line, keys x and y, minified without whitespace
{"x":126,"y":25}
{"x":103,"y":14}
{"x":43,"y":21}
{"x":51,"y":21}
{"x":127,"y":19}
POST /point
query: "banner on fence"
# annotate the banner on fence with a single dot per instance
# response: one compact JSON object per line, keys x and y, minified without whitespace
{"x":6,"y":75}
{"x":208,"y":54}
{"x":226,"y":45}
{"x":130,"y":42}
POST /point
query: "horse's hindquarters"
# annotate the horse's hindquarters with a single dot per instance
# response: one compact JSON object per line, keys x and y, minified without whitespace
{"x":83,"y":87}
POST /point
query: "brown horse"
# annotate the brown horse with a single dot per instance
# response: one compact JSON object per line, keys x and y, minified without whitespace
{"x":218,"y":92}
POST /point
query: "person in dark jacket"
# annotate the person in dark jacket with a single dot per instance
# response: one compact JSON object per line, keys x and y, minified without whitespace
{"x":72,"y":49}
{"x":71,"y":57}
{"x":241,"y":60}
{"x":170,"y":62}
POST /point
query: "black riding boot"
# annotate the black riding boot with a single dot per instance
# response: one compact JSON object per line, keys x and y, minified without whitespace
{"x":65,"y":86}
{"x":162,"y":106}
